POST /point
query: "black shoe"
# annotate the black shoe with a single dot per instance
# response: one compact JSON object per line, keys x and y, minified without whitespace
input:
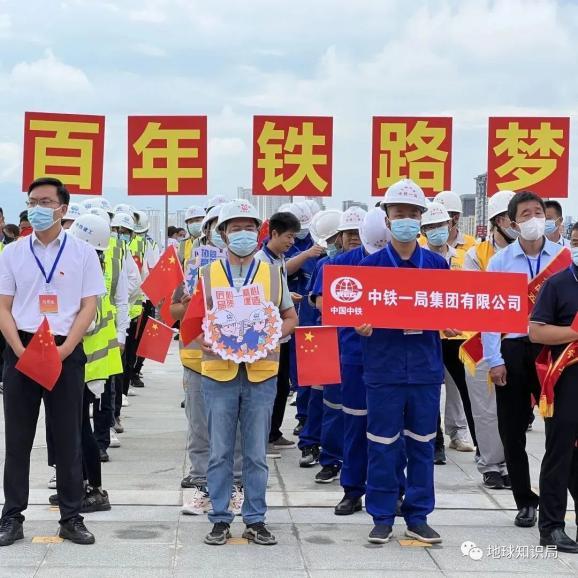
{"x":507,"y":482}
{"x":189,"y":482}
{"x":440,"y":456}
{"x":10,"y":531}
{"x":219,"y":535}
{"x":381,"y":534}
{"x":104,"y":457}
{"x":136,"y":381}
{"x":328,"y":474}
{"x":182,"y":404}
{"x":298,"y":428}
{"x":493,"y":480}
{"x":259,"y":534}
{"x":348,"y":506}
{"x":75,"y":531}
{"x":95,"y":500}
{"x":526,"y":517}
{"x":423,"y":533}
{"x":53,"y":500}
{"x":558,"y":538}
{"x":309,"y":457}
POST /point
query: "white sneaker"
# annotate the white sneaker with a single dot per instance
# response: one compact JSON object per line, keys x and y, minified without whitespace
{"x":52,"y":481}
{"x":199,"y":502}
{"x":237,"y":500}
{"x":125,"y":402}
{"x":131,"y":392}
{"x":114,"y":441}
{"x":461,"y":446}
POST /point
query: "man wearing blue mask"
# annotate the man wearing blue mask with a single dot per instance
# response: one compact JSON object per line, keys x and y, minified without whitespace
{"x":403,"y":372}
{"x":554,"y":228}
{"x":241,"y":393}
{"x":551,"y":320}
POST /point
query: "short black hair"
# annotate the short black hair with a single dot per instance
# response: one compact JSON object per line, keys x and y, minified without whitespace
{"x":283,"y":222}
{"x":171,"y":230}
{"x":523,"y":197}
{"x":556,"y":206}
{"x":61,"y":190}
{"x":575,"y":226}
{"x":23,"y":216}
{"x":1,"y":212}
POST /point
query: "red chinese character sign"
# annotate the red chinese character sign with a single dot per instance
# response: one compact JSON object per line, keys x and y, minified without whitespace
{"x":69,"y":147}
{"x":433,"y":299}
{"x":529,"y":154}
{"x":167,"y":155}
{"x":242,"y":326}
{"x":292,"y":155}
{"x":411,"y":147}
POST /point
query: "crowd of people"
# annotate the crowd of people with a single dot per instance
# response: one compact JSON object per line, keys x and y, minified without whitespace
{"x":378,"y":433}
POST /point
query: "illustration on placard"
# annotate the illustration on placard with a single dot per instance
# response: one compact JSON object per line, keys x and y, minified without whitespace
{"x":200,"y":257}
{"x":242,"y":326}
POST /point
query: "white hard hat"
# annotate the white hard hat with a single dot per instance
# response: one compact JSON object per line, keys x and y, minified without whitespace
{"x":238,"y":209}
{"x":325,"y":225}
{"x":123,"y":208}
{"x":436,"y":213}
{"x":142,"y":224}
{"x":211,"y":215}
{"x":74,"y":211}
{"x":313,"y":206}
{"x":99,"y":203}
{"x":224,"y":317}
{"x":450,"y":200}
{"x":215,"y":200}
{"x":92,"y":229}
{"x":100,"y":212}
{"x":194,"y":212}
{"x":405,"y":192}
{"x":284,"y":208}
{"x":301,"y":211}
{"x":351,"y":219}
{"x":123,"y":220}
{"x":499,"y":202}
{"x":374,"y":233}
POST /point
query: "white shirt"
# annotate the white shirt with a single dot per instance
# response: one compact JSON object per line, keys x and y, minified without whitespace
{"x":77,"y":275}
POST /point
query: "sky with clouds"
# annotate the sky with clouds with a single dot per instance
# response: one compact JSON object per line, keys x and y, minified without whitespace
{"x":351,"y":59}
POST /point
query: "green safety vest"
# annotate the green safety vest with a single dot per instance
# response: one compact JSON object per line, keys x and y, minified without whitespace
{"x":137,"y":248}
{"x":113,"y":262}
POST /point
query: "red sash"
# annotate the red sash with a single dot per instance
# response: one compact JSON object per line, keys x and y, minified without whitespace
{"x":472,"y":352}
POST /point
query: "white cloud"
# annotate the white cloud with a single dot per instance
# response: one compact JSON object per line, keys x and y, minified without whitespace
{"x":48,"y":74}
{"x":226,"y":147}
{"x":151,"y":13}
{"x":5,"y":25}
{"x":149,"y":50}
{"x":10,"y":161}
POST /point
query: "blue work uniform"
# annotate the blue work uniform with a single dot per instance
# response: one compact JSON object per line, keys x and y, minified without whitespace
{"x":403,"y":372}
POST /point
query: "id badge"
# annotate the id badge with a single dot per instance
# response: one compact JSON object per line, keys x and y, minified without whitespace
{"x":48,"y":303}
{"x":412,"y":332}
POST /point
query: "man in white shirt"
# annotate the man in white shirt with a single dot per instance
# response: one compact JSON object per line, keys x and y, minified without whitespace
{"x":49,"y":262}
{"x":555,"y":224}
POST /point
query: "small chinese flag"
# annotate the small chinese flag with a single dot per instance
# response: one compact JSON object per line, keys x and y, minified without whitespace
{"x":191,"y":324}
{"x":156,"y":340}
{"x":40,"y":360}
{"x":165,"y":312}
{"x":574,"y":325}
{"x":164,"y":277}
{"x":317,"y":356}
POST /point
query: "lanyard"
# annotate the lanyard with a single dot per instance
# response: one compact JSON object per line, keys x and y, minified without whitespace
{"x":394,"y":261}
{"x":230,"y":274}
{"x":41,"y":267}
{"x":532,"y":275}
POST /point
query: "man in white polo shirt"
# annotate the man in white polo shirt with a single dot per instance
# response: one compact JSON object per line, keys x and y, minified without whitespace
{"x":48,"y":262}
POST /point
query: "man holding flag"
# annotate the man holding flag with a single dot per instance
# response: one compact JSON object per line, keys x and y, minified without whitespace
{"x":55,"y":277}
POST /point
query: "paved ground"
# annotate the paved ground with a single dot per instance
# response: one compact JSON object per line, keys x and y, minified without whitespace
{"x":145,"y":535}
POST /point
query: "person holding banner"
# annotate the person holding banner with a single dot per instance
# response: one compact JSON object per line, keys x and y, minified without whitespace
{"x":241,"y":393}
{"x":553,"y":323}
{"x":62,"y":283}
{"x":511,"y":358}
{"x":403,"y":372}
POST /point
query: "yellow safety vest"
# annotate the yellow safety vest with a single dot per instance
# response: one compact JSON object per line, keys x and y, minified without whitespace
{"x":137,"y":248}
{"x":484,"y":252}
{"x":269,"y":277}
{"x":113,"y":261}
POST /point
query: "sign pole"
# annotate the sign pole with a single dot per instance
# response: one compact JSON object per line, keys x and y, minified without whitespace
{"x":166,"y":235}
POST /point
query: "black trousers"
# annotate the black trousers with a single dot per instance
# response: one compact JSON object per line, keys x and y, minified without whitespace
{"x":559,"y":471}
{"x":514,"y":401}
{"x":130,"y":348}
{"x":148,"y":311}
{"x":103,"y":415}
{"x":91,"y":466}
{"x":22,"y":398}
{"x":282,"y":394}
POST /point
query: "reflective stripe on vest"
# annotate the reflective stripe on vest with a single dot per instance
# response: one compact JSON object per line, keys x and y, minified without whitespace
{"x":269,"y":277}
{"x":113,"y":259}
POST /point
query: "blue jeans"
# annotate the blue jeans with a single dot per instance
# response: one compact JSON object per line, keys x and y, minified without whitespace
{"x":226,"y":404}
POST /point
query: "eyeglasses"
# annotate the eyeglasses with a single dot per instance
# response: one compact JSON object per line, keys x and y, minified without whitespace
{"x":42,"y":203}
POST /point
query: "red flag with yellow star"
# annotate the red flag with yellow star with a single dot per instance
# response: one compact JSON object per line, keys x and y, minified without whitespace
{"x":164,"y":277}
{"x":192,"y":322}
{"x":156,"y":340}
{"x":40,"y":360}
{"x":317,"y":356}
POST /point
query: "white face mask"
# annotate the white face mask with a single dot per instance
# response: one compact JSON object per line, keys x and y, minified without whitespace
{"x":533,"y":229}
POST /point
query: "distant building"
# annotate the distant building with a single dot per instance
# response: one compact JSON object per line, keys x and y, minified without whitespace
{"x":481,"y":208}
{"x":156,"y":224}
{"x":468,"y":225}
{"x":468,"y":205}
{"x":266,"y":205}
{"x":347,"y":204}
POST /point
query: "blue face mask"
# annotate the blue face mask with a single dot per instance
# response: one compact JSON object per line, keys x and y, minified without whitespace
{"x":575,"y":255}
{"x":242,"y":243}
{"x":194,"y":229}
{"x":217,"y":240}
{"x":550,"y":227}
{"x":332,"y":250}
{"x":41,"y":218}
{"x":124,"y":237}
{"x":302,"y":233}
{"x":405,"y":230}
{"x":438,"y":236}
